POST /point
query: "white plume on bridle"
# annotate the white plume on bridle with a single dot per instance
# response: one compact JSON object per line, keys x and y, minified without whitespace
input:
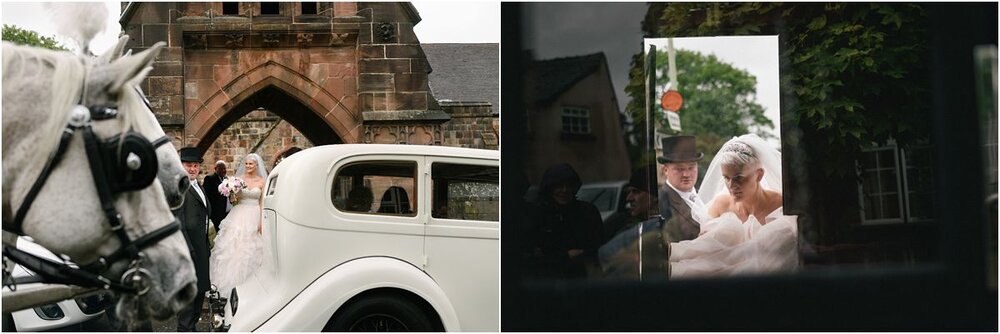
{"x":79,"y":21}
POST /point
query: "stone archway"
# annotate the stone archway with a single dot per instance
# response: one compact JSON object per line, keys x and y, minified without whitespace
{"x":276,"y":87}
{"x":322,"y":117}
{"x":343,"y":72}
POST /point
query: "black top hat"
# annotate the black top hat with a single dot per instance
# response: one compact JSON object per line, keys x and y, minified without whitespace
{"x":190,"y":154}
{"x":679,"y":149}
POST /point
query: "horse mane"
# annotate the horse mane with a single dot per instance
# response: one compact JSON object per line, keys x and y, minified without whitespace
{"x":131,"y":106}
{"x":66,"y":74}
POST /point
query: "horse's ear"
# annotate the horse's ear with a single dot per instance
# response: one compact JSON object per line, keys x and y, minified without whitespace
{"x":115,"y":52}
{"x":128,"y":71}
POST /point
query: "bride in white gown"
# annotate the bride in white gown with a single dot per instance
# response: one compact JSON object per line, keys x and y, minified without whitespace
{"x":238,"y":246}
{"x":743,"y":230}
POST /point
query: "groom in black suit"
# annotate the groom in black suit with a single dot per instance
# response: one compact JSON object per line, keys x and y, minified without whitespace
{"x":194,"y":218}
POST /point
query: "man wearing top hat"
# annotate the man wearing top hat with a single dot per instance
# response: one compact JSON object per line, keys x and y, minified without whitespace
{"x":194,"y":221}
{"x":677,"y":196}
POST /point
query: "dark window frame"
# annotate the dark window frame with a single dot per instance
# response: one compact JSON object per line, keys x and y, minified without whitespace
{"x":951,"y":294}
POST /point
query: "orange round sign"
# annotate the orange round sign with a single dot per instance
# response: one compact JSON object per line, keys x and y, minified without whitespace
{"x":672,"y":101}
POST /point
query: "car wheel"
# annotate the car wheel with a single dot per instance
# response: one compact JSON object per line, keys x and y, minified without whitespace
{"x":380,"y":313}
{"x":8,"y":323}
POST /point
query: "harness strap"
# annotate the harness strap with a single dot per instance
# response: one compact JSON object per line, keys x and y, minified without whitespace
{"x":29,"y":199}
{"x":143,"y":242}
{"x":160,"y":141}
{"x":54,"y":272}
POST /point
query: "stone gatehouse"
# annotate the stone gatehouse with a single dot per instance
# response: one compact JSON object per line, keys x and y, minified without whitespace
{"x":265,"y":77}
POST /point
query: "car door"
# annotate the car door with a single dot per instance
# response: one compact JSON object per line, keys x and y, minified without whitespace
{"x":391,"y":225}
{"x":462,"y":236}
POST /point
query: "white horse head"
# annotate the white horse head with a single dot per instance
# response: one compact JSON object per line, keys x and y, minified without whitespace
{"x":171,"y":174}
{"x":40,"y":89}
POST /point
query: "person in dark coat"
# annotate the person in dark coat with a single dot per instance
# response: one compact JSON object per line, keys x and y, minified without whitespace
{"x":566,"y":231}
{"x":194,"y":221}
{"x":219,"y":202}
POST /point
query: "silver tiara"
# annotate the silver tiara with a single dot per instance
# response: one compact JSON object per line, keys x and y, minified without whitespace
{"x":738,"y":147}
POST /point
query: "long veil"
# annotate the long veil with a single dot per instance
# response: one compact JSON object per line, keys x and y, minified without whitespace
{"x":261,"y":168}
{"x":770,"y":159}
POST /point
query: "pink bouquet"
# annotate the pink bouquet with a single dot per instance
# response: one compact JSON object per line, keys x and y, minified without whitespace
{"x":232,"y":186}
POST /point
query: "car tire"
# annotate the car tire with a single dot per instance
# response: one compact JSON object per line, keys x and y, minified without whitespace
{"x":380,"y":313}
{"x":8,"y":323}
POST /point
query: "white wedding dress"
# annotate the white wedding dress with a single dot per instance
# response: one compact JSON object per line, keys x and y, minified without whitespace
{"x":238,"y":249}
{"x":728,"y":246}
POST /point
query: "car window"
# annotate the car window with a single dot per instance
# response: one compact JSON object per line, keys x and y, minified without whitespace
{"x":466,"y":192}
{"x":378,"y":187}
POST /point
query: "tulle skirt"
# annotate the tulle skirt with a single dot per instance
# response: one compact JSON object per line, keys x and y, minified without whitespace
{"x":238,"y":248}
{"x":729,"y":247}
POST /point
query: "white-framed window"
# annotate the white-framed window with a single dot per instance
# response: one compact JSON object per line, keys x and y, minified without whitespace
{"x":575,"y":120}
{"x":880,"y":187}
{"x":896,"y":185}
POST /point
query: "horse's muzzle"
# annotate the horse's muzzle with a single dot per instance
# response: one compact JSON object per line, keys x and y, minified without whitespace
{"x":177,"y":199}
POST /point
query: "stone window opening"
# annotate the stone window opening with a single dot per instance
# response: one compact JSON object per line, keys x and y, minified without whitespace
{"x":269,"y":8}
{"x":230,"y":8}
{"x":310,"y":8}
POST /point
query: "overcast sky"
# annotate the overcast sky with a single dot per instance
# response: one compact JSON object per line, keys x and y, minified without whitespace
{"x":442,"y":22}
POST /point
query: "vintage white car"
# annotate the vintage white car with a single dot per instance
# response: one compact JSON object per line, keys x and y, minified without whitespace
{"x":61,"y":315}
{"x":377,"y":237}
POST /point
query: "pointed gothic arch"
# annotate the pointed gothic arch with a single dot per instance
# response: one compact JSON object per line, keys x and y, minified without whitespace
{"x":322,"y":117}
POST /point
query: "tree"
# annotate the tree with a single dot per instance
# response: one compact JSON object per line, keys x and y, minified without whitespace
{"x":719,"y":101}
{"x":854,"y":70}
{"x":17,"y":35}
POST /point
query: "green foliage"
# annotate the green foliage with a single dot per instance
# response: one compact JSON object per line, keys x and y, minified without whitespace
{"x":17,"y":35}
{"x":718,"y":101}
{"x":853,"y":74}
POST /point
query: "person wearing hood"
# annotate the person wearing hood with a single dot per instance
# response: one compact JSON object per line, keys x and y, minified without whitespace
{"x":567,"y":231}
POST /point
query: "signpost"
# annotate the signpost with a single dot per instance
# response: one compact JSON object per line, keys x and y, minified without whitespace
{"x":672,"y":101}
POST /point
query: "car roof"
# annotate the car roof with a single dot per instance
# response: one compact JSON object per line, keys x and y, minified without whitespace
{"x":303,"y":176}
{"x":323,"y":154}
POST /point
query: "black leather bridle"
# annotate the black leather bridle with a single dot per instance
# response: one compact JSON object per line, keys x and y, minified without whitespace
{"x":123,"y":163}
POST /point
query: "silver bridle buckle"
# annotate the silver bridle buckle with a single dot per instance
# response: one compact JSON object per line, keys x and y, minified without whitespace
{"x":79,"y":116}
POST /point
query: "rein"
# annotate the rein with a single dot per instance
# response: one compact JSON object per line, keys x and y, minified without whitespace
{"x":135,"y":279}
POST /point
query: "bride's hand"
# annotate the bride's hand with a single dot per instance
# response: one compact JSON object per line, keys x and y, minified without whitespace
{"x":260,"y":228}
